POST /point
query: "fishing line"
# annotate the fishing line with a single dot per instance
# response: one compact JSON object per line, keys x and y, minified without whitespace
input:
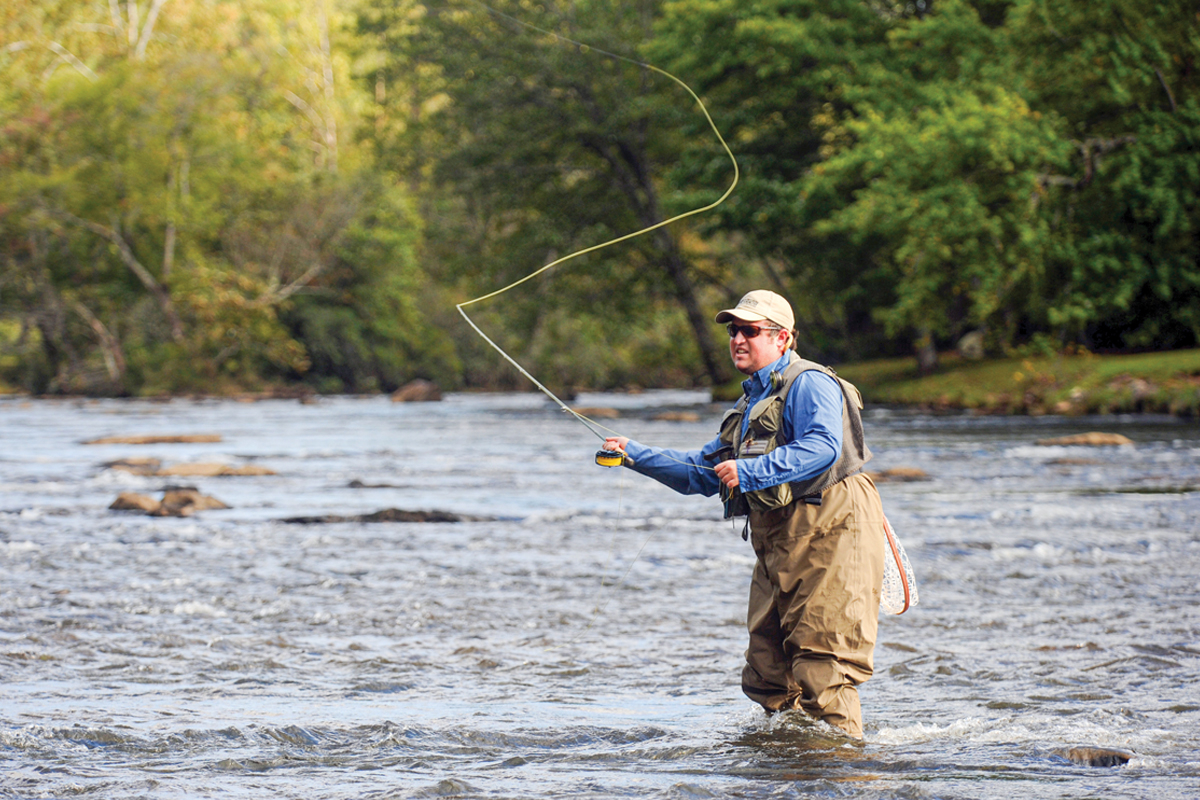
{"x":588,"y":423}
{"x":604,"y":457}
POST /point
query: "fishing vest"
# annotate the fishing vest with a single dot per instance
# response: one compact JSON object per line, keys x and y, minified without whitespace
{"x":764,"y":433}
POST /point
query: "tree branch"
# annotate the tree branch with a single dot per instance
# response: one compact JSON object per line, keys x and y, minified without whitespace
{"x":281,"y":294}
{"x":131,"y":7}
{"x":114,"y":359}
{"x":148,"y":29}
{"x":70,"y":58}
{"x":135,"y":266}
{"x":1166,"y":88}
{"x":1091,"y":150}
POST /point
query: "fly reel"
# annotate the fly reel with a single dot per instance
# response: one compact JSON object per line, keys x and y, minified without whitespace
{"x":612,"y":458}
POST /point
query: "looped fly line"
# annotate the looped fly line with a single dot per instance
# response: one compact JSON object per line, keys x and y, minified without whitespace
{"x":590,"y":424}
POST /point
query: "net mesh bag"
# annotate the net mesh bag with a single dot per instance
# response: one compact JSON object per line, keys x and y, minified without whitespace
{"x":899,"y":584}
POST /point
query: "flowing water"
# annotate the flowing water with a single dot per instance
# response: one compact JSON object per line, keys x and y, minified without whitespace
{"x":582,"y":635}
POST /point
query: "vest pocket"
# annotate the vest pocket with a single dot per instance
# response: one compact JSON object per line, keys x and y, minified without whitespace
{"x":766,"y":418}
{"x":770,"y":498}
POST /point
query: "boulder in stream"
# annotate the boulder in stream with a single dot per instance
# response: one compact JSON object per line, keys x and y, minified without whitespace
{"x":1098,"y":756}
{"x":418,"y":391}
{"x":177,"y":501}
{"x":132,"y":501}
{"x":183,"y":501}
{"x":1092,"y":439}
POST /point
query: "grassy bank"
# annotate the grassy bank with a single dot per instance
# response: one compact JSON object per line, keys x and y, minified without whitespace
{"x":1086,"y":383}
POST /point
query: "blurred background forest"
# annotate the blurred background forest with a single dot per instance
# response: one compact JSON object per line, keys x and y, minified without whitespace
{"x":221,"y":195}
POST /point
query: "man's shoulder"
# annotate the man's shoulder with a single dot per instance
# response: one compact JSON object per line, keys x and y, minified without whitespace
{"x":800,"y":364}
{"x":815,"y":381}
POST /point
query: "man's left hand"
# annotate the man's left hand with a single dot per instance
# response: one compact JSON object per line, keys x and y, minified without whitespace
{"x":727,"y":473}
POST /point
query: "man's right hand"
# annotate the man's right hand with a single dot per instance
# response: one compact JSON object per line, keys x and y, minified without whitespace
{"x":616,"y":443}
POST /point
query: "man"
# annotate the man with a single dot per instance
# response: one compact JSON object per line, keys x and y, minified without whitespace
{"x":789,"y":456}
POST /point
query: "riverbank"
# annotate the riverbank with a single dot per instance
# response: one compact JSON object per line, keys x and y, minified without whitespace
{"x":1076,"y":384}
{"x":1085,"y":383}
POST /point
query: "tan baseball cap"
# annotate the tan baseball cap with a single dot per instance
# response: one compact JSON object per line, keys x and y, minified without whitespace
{"x":761,"y":304}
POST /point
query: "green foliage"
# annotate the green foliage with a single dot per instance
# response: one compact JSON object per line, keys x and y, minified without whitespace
{"x":174,"y":183}
{"x":547,"y":147}
{"x":1125,"y":219}
{"x":224,"y":195}
{"x":1018,"y":167}
{"x":362,"y":323}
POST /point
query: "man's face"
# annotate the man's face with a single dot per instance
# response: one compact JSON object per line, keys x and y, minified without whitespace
{"x":751,"y":355}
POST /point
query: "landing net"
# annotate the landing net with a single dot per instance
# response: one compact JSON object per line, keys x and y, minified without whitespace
{"x":899,"y":583}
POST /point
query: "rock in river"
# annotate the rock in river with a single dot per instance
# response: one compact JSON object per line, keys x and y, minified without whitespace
{"x":212,"y":470}
{"x":900,"y":474}
{"x":177,"y":501}
{"x":1093,"y":439}
{"x":1098,"y":756}
{"x":418,"y":391}
{"x":132,"y":501}
{"x":386,"y":515}
{"x":200,"y":438}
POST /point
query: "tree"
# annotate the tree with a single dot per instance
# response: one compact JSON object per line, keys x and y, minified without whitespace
{"x":776,"y":73}
{"x":1122,"y":80}
{"x":1019,"y":167}
{"x":548,"y":148}
{"x":179,"y":179}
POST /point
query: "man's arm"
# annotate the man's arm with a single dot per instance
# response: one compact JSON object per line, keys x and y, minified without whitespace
{"x":687,"y":472}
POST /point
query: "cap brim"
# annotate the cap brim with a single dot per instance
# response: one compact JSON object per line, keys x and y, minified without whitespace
{"x":731,"y":314}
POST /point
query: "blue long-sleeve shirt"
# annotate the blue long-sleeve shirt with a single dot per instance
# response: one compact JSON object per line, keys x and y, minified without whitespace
{"x":812,"y":431}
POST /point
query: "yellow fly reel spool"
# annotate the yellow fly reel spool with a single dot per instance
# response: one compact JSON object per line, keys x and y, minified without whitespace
{"x":611,"y":458}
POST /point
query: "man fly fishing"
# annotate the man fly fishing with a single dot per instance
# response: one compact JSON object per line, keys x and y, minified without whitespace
{"x":789,"y":457}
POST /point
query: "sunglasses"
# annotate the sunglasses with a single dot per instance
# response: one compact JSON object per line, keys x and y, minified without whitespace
{"x":749,"y":331}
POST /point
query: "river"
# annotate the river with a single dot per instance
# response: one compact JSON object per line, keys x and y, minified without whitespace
{"x":581,"y":634}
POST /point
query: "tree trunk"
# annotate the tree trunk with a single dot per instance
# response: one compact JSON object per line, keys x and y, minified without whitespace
{"x":158,"y":290}
{"x":110,"y":348}
{"x":685,"y":291}
{"x":927,"y":357}
{"x":627,"y":160}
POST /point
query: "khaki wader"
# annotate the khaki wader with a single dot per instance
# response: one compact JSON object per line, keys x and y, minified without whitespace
{"x":813,"y":614}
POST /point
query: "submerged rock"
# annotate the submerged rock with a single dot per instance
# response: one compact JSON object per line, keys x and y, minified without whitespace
{"x":1092,"y":439}
{"x":901,"y":474}
{"x":211,"y":470}
{"x":132,"y":501}
{"x":152,"y":467}
{"x":597,"y":412}
{"x":677,"y":416}
{"x":136,"y":466}
{"x":200,"y":438}
{"x":418,"y":391}
{"x":1098,"y":756}
{"x":386,"y":515}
